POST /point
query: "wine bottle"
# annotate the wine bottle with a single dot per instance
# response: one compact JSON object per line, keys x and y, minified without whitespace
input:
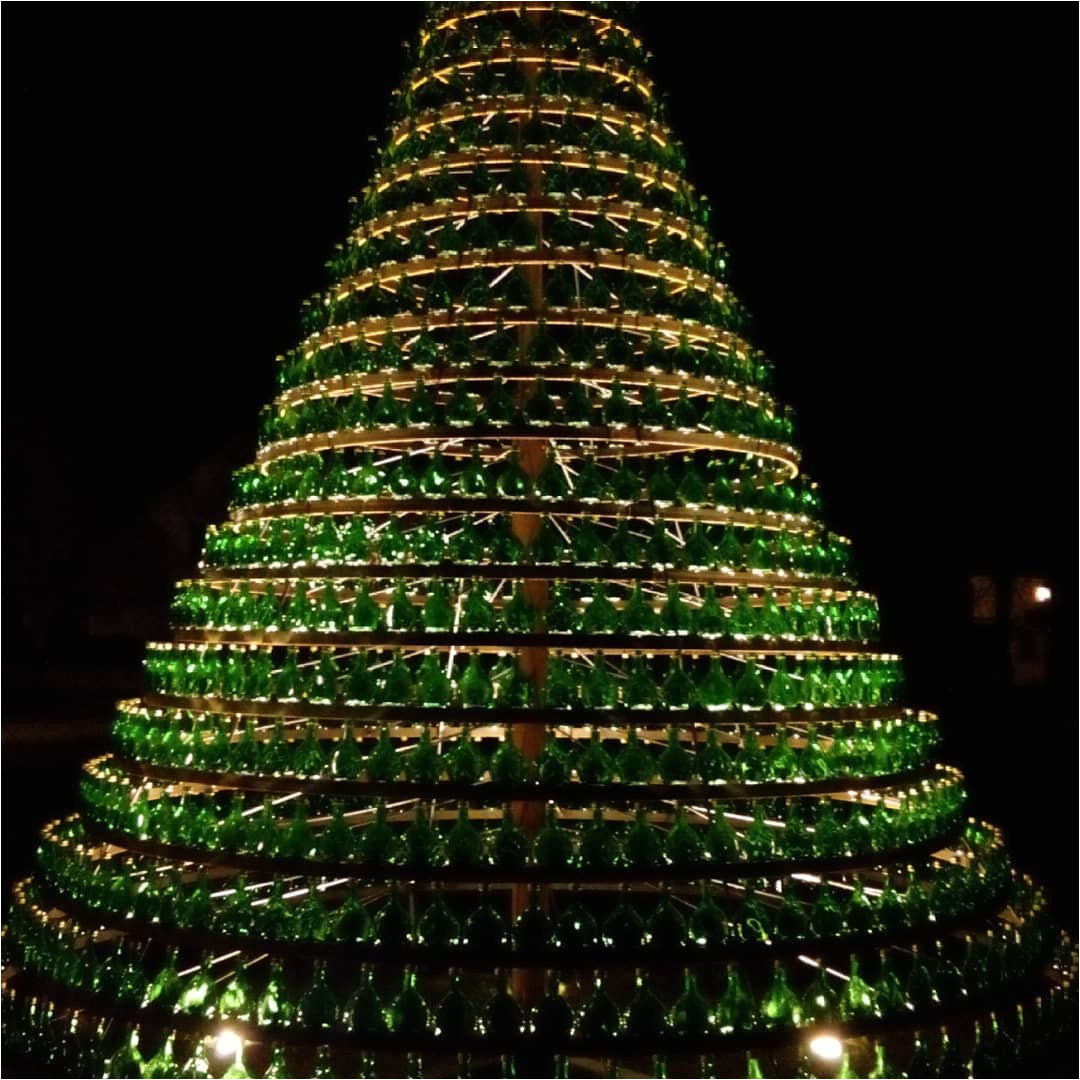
{"x":690,"y":1015}
{"x":407,"y":1014}
{"x":455,"y":1017}
{"x":599,"y":1017}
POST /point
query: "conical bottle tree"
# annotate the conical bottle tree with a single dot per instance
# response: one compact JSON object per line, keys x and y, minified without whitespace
{"x":524,"y":715}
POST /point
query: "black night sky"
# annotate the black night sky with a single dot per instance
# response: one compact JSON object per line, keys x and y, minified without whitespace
{"x":896,"y":186}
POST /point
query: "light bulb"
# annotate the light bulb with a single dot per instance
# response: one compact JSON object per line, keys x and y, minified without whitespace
{"x":826,"y":1047}
{"x":228,"y":1044}
{"x":1042,"y":594}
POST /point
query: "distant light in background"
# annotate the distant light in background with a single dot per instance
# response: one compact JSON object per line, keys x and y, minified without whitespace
{"x":1029,"y":630}
{"x":1026,"y":594}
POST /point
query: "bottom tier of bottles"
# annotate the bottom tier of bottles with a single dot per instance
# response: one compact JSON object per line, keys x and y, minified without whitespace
{"x":1029,"y":1038}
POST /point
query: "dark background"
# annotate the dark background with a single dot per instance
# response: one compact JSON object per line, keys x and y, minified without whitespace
{"x":895,"y":184}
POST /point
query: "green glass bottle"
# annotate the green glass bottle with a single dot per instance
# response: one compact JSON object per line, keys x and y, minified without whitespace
{"x":364,"y":614}
{"x":779,"y":1006}
{"x":826,"y":917}
{"x":813,"y":761}
{"x":781,"y":761}
{"x":512,"y":482}
{"x":308,"y":757}
{"x":598,"y":848}
{"x":751,"y":762}
{"x":532,"y":930}
{"x":407,"y":1014}
{"x":402,"y":615}
{"x":517,"y":615}
{"x":645,"y":1016}
{"x":782,"y":692}
{"x":126,"y":1060}
{"x":163,"y":1065}
{"x":634,"y":763}
{"x":920,"y":1063}
{"x":438,"y":612}
{"x":397,"y":684}
{"x":665,"y":928}
{"x":639,"y":690}
{"x":324,"y":1064}
{"x":743,"y":621}
{"x":721,"y":842}
{"x":477,"y":612}
{"x":351,"y":921}
{"x":464,"y":842}
{"x":297,"y":841}
{"x":682,"y":845}
{"x":690,"y":1015}
{"x":346,"y":760}
{"x":758,"y":840}
{"x":553,"y":848}
{"x":317,"y":1009}
{"x":600,"y":615}
{"x":750,"y":692}
{"x":796,"y":841}
{"x":676,"y":616}
{"x":197,"y":1066}
{"x":474,"y":687}
{"x":623,"y":928}
{"x":455,"y":1017}
{"x":638,"y":616}
{"x":273,"y":1009}
{"x":421,"y":842}
{"x":599,"y":1017}
{"x":819,"y":1004}
{"x":378,"y":844}
{"x":508,"y":846}
{"x":278,"y":1068}
{"x":642,"y":846}
{"x":594,"y":765}
{"x":235,"y":1002}
{"x":921,"y":989}
{"x":485,"y":929}
{"x":859,"y":916}
{"x":891,"y":998}
{"x":165,"y":988}
{"x":707,"y":926}
{"x":365,"y":1015}
{"x":553,"y":764}
{"x":858,"y":1001}
{"x":438,"y":927}
{"x":677,"y":689}
{"x":715,"y":690}
{"x":675,"y":763}
{"x":423,"y":762}
{"x":736,"y":1011}
{"x":508,"y":764}
{"x":660,"y":550}
{"x":560,"y":690}
{"x":197,"y":995}
{"x":553,"y":1018}
{"x":502,"y":1017}
{"x":598,"y":689}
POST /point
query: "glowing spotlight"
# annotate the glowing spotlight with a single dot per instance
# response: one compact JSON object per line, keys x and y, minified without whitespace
{"x":228,"y":1044}
{"x":1042,"y":594}
{"x":827,"y":1047}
